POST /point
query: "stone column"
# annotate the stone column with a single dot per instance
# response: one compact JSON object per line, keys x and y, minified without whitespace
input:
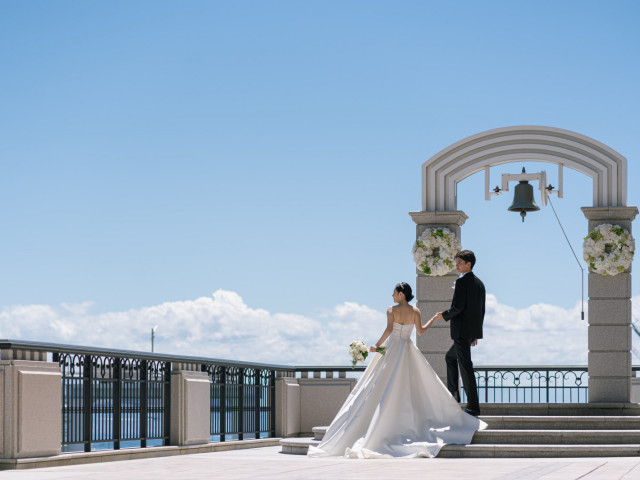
{"x":610,"y":319}
{"x":434,"y":294}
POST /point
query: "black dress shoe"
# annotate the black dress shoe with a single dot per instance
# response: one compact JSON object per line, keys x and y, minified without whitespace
{"x":475,"y":413}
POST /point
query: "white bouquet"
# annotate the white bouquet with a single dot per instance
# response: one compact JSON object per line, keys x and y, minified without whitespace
{"x":359,"y":352}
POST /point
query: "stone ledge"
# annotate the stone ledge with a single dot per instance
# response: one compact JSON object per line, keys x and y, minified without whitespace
{"x":78,"y":458}
{"x":318,"y":432}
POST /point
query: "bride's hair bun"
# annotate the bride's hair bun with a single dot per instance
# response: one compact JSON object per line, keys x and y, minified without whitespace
{"x":405,"y":288}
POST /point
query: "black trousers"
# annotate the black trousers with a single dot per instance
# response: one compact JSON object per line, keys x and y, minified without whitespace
{"x":459,"y":356}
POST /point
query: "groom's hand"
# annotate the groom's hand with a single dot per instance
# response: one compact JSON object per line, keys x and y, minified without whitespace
{"x":438,"y":316}
{"x":474,"y":342}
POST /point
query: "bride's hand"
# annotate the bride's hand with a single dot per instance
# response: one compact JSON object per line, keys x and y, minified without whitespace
{"x":372,"y":348}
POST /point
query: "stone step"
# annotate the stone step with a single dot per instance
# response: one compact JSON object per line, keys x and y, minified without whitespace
{"x":549,"y":422}
{"x":558,"y":422}
{"x":538,"y":430}
{"x":538,"y":451}
{"x":297,"y":445}
{"x":556,"y":437}
{"x":620,"y":434}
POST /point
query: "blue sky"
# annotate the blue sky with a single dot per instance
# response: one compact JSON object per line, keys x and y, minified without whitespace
{"x":156,"y":152}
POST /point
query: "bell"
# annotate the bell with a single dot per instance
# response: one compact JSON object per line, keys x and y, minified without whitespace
{"x":523,"y":199}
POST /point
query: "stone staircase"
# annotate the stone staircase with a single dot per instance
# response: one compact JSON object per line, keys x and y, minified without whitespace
{"x":537,"y":430}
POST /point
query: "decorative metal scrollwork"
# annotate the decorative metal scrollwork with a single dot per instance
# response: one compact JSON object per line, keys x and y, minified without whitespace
{"x":265,"y":378}
{"x":71,"y":364}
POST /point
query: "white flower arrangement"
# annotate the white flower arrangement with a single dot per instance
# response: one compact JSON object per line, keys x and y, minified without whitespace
{"x":608,"y":249}
{"x":434,"y":252}
{"x":359,"y":351}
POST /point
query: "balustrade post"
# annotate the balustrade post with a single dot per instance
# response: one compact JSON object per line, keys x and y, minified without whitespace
{"x":86,"y":402}
{"x":258,"y":395}
{"x":223,"y":404}
{"x":117,"y":402}
{"x":241,"y":404}
{"x":143,"y":403}
{"x":272,"y":403}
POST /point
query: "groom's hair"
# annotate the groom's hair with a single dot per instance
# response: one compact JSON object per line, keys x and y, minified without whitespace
{"x":467,"y":256}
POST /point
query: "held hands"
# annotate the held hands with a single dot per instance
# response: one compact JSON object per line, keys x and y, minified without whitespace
{"x":438,"y":316}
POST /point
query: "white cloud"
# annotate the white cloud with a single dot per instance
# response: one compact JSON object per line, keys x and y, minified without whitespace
{"x":223,"y":326}
{"x":540,"y":334}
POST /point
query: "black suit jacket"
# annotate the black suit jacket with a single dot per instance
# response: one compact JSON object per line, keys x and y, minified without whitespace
{"x":467,"y":308}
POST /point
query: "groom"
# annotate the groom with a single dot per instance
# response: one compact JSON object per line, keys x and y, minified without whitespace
{"x":466,"y":315}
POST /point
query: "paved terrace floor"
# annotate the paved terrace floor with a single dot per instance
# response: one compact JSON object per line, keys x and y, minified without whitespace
{"x":268,"y":462}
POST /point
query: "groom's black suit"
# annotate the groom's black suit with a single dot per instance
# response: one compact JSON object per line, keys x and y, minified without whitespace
{"x":466,"y":316}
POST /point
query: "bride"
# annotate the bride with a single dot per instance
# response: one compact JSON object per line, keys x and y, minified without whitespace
{"x":399,"y":408}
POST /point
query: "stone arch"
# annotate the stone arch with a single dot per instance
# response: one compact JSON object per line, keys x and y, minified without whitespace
{"x":609,"y":333}
{"x":442,"y":172}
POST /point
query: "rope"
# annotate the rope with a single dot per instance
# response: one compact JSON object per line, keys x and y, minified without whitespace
{"x":572,"y":250}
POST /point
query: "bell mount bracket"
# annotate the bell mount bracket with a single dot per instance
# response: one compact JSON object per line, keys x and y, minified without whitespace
{"x":540,"y":177}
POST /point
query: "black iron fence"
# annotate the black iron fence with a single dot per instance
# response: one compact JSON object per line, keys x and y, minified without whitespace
{"x":503,"y":384}
{"x":113,"y":399}
{"x":242,"y":402}
{"x":532,"y":384}
{"x":109,"y":402}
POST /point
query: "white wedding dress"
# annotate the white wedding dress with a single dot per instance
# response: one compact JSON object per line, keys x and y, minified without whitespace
{"x":399,"y":408}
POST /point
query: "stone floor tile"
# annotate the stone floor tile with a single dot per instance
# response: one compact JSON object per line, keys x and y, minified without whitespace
{"x":269,"y":463}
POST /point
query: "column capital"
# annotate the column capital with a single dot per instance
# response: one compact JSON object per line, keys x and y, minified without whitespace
{"x":455,"y":217}
{"x":610,"y":213}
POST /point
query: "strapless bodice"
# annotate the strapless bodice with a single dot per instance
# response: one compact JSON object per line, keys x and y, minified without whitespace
{"x":402,"y":331}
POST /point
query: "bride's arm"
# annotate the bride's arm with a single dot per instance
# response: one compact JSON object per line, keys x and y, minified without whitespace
{"x":387,"y":331}
{"x":420,"y":329}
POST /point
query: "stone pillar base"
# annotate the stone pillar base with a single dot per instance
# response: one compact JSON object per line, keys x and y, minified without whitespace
{"x":190,"y":410}
{"x":30,"y":406}
{"x":287,"y":407}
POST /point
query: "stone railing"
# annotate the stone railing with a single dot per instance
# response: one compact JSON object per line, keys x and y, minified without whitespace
{"x":96,"y":398}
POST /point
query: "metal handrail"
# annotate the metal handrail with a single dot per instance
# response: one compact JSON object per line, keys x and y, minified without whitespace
{"x":83,"y":350}
{"x":79,"y":349}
